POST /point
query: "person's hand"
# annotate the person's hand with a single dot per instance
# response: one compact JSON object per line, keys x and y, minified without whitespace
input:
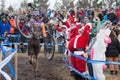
{"x":5,"y":34}
{"x":107,"y":24}
{"x":86,"y":55}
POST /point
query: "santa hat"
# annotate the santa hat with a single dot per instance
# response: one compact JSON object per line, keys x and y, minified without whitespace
{"x":89,"y":24}
{"x":64,"y":27}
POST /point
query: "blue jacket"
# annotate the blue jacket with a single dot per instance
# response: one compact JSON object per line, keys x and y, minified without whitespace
{"x":105,"y":18}
{"x":4,"y":27}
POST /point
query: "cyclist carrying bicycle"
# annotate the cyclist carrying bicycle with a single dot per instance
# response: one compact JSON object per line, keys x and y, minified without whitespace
{"x":37,"y":30}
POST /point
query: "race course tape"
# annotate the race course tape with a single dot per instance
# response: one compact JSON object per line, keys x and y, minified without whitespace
{"x":88,"y":61}
{"x":6,"y":61}
{"x":6,"y":50}
{"x":94,"y":61}
{"x":83,"y":75}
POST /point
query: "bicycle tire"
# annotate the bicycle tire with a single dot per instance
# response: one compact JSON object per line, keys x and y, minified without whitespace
{"x":17,"y":24}
{"x":49,"y":47}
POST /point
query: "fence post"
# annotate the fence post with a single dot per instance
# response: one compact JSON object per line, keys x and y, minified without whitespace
{"x":16,"y":64}
{"x":1,"y":56}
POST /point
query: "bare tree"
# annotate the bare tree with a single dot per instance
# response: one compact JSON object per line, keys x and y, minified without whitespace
{"x":10,"y":8}
{"x":24,"y":4}
{"x":41,"y":3}
{"x":2,"y":5}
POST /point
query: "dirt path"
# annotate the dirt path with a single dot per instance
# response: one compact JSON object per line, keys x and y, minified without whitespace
{"x":49,"y":70}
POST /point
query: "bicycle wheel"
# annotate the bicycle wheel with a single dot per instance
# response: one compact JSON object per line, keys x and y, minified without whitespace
{"x":49,"y":47}
{"x":23,"y":26}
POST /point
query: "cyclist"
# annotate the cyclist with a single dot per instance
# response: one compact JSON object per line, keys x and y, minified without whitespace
{"x":37,"y":30}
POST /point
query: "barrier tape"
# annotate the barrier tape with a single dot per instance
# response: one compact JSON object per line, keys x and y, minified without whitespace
{"x":72,"y":68}
{"x":6,"y":61}
{"x":88,"y":61}
{"x":5,"y":50}
{"x":94,"y":61}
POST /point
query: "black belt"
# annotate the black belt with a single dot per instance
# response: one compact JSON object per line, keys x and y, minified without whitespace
{"x":68,"y":39}
{"x":79,"y":49}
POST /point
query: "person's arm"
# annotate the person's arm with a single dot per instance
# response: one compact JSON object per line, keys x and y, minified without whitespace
{"x":7,"y":30}
{"x":8,"y":27}
{"x":43,"y":30}
{"x":118,"y":46}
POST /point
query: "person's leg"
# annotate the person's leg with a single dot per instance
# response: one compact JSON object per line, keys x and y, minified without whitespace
{"x":116,"y":67}
{"x":77,"y":76}
{"x":90,"y":69}
{"x":111,"y":66}
{"x":60,"y":50}
{"x":36,"y":52}
{"x":30,"y":50}
{"x":36,"y":63}
{"x":98,"y":71}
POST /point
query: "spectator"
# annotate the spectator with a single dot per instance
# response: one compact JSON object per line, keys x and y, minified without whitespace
{"x":112,"y":17}
{"x":12,"y":22}
{"x":118,"y":15}
{"x":112,"y":53}
{"x":4,"y":26}
{"x":61,"y":39}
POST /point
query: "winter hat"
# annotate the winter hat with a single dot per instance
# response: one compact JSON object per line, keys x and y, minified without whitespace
{"x":64,"y":27}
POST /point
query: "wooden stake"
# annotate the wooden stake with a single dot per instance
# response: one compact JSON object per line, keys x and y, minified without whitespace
{"x":16,"y":64}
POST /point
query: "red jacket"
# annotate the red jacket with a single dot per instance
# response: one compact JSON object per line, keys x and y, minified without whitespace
{"x":118,"y":14}
{"x":58,"y":28}
{"x":74,"y":31}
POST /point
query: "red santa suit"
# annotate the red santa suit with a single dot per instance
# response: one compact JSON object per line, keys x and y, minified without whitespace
{"x":71,"y":18}
{"x":77,"y":46}
{"x":74,"y":30}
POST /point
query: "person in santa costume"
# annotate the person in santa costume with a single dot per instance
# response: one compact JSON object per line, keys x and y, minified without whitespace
{"x":77,"y":45}
{"x":98,"y":51}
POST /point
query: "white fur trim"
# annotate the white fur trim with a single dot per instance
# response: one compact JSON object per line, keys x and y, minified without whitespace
{"x":77,"y":23}
{"x":79,"y":52}
{"x":63,"y":26}
{"x":75,"y":42}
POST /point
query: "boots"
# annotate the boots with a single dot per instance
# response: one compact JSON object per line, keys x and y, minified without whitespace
{"x":116,"y":72}
{"x":78,"y":77}
{"x":22,"y":47}
{"x":111,"y":72}
{"x":72,"y":73}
